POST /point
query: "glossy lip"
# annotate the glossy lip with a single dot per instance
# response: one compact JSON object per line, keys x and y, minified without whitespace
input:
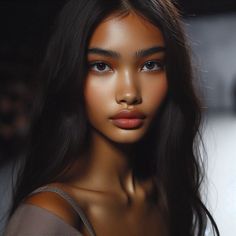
{"x":128,"y":114}
{"x":127,"y":119}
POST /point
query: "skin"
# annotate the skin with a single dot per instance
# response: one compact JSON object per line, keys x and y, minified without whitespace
{"x":103,"y":182}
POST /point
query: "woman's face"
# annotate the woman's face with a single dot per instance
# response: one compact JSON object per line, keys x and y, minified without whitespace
{"x":126,"y":81}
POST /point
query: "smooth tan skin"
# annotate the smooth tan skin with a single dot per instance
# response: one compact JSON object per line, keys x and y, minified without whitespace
{"x":102,"y":182}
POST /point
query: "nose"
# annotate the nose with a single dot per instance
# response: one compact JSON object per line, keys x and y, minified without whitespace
{"x":128,"y":89}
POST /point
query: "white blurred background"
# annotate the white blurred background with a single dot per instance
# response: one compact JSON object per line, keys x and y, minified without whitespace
{"x":213,"y":41}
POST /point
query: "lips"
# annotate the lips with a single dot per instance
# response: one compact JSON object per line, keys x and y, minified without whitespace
{"x":127,"y":119}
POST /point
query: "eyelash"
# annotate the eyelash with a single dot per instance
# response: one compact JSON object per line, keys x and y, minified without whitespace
{"x":159,"y":64}
{"x":97,"y":63}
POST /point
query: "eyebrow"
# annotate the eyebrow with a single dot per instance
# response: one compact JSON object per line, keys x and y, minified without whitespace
{"x":138,"y":54}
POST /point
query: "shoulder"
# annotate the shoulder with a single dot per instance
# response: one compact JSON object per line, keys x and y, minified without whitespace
{"x":56,"y":205}
{"x":43,"y":213}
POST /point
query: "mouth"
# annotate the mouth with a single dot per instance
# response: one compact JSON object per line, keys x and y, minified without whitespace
{"x":127,"y":123}
{"x":127,"y":119}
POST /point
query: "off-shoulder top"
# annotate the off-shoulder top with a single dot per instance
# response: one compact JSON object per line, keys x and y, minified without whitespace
{"x":31,"y":220}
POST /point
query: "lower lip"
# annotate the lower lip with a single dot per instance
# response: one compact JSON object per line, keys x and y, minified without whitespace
{"x":128,"y":123}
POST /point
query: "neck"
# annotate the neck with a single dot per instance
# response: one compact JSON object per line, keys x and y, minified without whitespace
{"x":107,"y":167}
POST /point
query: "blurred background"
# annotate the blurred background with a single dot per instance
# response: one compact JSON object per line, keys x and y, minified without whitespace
{"x":211,"y":30}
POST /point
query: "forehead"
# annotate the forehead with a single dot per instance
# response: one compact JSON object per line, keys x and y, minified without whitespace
{"x":126,"y":33}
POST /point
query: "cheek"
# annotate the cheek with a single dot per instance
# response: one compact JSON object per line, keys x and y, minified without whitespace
{"x":154,"y":93}
{"x":96,"y":96}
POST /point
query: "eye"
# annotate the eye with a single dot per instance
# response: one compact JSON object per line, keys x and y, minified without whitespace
{"x":99,"y":67}
{"x":153,"y":66}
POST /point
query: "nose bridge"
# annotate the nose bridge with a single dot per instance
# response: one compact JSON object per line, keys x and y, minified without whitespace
{"x":128,"y":89}
{"x":128,"y":79}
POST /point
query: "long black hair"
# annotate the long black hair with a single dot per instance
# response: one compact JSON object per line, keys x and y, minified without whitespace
{"x":60,"y":128}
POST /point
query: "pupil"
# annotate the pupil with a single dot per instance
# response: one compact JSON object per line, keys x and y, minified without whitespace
{"x":101,"y":66}
{"x":150,"y":65}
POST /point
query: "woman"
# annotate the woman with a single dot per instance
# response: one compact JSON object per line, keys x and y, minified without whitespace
{"x":114,"y":138}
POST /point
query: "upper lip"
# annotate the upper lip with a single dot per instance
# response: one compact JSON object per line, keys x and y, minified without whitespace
{"x":129,"y":114}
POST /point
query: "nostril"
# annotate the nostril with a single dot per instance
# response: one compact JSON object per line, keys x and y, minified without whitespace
{"x":130,"y":99}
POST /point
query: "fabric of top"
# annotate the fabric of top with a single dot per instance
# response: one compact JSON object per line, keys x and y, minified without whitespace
{"x":31,"y":220}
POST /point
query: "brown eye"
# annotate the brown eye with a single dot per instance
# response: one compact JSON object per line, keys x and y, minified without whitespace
{"x":99,"y":67}
{"x":152,"y":66}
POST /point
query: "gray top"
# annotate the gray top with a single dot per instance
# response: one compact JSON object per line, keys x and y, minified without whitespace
{"x":31,"y":220}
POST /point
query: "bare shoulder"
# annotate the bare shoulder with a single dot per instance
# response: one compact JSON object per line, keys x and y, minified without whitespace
{"x":55,"y":204}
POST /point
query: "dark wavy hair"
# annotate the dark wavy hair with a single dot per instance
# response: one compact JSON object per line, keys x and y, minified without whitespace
{"x":60,"y":127}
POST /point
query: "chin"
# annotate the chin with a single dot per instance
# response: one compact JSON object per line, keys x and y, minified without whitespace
{"x":127,"y":136}
{"x":120,"y":136}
